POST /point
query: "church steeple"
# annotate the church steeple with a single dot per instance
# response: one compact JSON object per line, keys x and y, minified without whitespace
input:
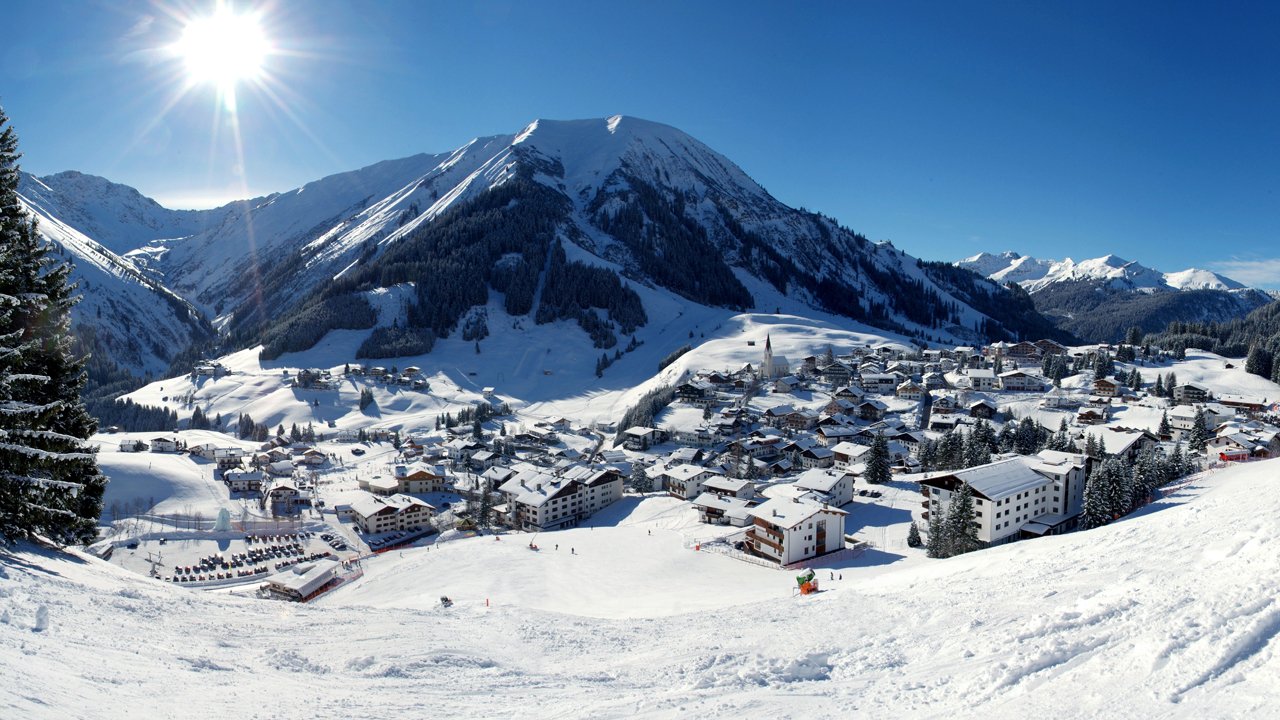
{"x":766,"y":368}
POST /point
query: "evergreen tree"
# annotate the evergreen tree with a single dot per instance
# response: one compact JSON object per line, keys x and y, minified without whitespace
{"x":1258,"y":362}
{"x":1158,"y":388}
{"x":640,"y":482}
{"x":50,"y":484}
{"x":928,"y":455}
{"x":938,"y":545}
{"x":1095,"y":512}
{"x":959,"y":527}
{"x":1170,"y":383}
{"x":951,"y":451}
{"x":913,"y":536}
{"x":1198,"y":435}
{"x":486,"y":504}
{"x":977,"y":449}
{"x":879,"y":470}
{"x":1164,"y":430}
{"x":1091,"y":446}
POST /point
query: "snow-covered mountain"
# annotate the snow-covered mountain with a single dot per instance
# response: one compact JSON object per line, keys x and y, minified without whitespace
{"x":117,"y":217}
{"x":1101,"y":298}
{"x":135,"y":322}
{"x":641,"y":200}
{"x":1035,"y":274}
{"x":605,"y":222}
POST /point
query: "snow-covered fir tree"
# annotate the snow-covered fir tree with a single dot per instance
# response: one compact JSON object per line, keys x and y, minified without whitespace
{"x":50,"y":484}
{"x":1198,"y":435}
{"x":879,"y":470}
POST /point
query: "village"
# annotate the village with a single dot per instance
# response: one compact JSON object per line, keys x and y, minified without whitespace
{"x":776,"y":464}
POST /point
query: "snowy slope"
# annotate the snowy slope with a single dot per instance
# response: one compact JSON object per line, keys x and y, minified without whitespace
{"x":139,"y":324}
{"x":1171,"y":613}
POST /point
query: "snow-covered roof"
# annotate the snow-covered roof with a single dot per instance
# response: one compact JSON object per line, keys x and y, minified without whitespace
{"x":790,"y":513}
{"x":1000,"y":479}
{"x":305,"y":578}
{"x":731,"y":485}
{"x":820,"y":479}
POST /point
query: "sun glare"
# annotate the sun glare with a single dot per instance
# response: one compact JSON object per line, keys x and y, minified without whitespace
{"x":224,"y":48}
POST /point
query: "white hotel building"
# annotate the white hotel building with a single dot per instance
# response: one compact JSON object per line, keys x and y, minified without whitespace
{"x":1024,"y":495}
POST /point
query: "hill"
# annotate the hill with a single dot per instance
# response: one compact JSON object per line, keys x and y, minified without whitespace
{"x":1168,"y":613}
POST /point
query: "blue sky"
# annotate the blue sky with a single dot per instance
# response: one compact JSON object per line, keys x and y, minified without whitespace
{"x":1054,"y":129}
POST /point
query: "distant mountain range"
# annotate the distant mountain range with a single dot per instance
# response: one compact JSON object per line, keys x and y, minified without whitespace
{"x":1099,"y":299}
{"x":602,"y":222}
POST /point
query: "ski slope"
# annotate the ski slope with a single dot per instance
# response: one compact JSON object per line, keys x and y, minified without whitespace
{"x":1170,"y":613}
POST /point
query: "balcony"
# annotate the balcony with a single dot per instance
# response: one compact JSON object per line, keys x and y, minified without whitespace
{"x":753,"y":535}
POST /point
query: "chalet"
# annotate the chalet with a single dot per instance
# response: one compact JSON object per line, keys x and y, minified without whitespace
{"x":163,"y":445}
{"x":284,"y":491}
{"x":983,"y":379}
{"x":1245,"y":403}
{"x":881,"y":383}
{"x":1122,"y":442}
{"x":800,"y":420}
{"x":840,"y":406}
{"x":1020,"y":381}
{"x":786,"y":384}
{"x":1190,"y":394}
{"x":910,"y":390}
{"x":851,"y":394}
{"x":789,"y":531}
{"x":1049,"y":347}
{"x":484,"y":459}
{"x":816,"y":457}
{"x":540,"y":501}
{"x":283,"y":468}
{"x":243,"y":480}
{"x":934,"y":381}
{"x":730,"y":487}
{"x":831,"y":434}
{"x":1235,"y":447}
{"x":696,"y":392}
{"x":1057,"y":398}
{"x":944,"y":404}
{"x":836,"y":374}
{"x":131,"y":446}
{"x":229,"y":458}
{"x":686,"y":481}
{"x":833,"y":487}
{"x":420,"y":478}
{"x":1092,"y":415}
{"x":1105,"y":387}
{"x":715,"y":509}
{"x":303,"y":581}
{"x":1017,"y":496}
{"x":872,"y":410}
{"x":1023,"y":350}
{"x":945,"y":422}
{"x":640,"y":437}
{"x":313,"y":457}
{"x":701,"y":437}
{"x":984,"y":409}
{"x":847,"y":455}
{"x":396,"y":513}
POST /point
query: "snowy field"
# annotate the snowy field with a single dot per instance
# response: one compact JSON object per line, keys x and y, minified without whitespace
{"x":1169,"y":613}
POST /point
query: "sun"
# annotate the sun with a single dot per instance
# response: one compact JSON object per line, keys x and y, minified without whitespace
{"x":224,"y":48}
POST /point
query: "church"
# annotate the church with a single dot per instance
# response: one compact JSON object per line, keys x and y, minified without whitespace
{"x":773,"y":366}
